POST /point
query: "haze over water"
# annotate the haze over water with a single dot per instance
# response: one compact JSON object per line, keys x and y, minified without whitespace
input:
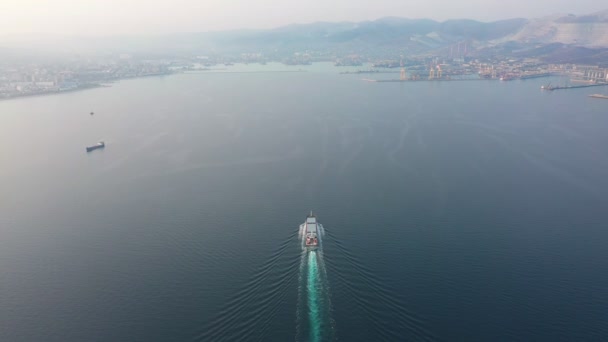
{"x":470,"y":210}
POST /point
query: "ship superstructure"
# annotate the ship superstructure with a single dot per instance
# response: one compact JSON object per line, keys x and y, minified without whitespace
{"x":311,"y":232}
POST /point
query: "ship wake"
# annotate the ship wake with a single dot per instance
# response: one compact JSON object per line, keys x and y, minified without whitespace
{"x":314,"y":322}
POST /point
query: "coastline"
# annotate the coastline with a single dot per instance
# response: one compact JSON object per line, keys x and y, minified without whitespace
{"x":54,"y":92}
{"x":82,"y":87}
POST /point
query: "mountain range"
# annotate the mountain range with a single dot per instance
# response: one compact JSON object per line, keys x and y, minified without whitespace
{"x":557,"y":38}
{"x":588,"y":31}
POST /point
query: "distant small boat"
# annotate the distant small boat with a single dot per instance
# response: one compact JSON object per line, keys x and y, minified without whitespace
{"x":99,"y":145}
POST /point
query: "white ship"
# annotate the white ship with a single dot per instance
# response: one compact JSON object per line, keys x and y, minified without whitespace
{"x":311,"y":232}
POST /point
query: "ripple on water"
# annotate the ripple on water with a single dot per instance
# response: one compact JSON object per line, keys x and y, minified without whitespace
{"x":254,"y":307}
{"x":375,"y":299}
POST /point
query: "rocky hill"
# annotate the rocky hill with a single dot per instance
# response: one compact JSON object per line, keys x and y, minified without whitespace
{"x":588,"y":30}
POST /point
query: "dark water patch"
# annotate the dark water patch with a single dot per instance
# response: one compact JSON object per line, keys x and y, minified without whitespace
{"x":376,"y":299}
{"x":454,"y":211}
{"x":249,"y":313}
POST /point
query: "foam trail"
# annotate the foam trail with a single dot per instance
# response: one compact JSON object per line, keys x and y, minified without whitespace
{"x":301,"y":296}
{"x":314,"y":310}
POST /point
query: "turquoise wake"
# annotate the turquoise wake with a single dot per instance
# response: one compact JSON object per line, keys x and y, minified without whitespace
{"x":314,"y":305}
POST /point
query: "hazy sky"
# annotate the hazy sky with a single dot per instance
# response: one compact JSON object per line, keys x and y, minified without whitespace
{"x":154,"y":16}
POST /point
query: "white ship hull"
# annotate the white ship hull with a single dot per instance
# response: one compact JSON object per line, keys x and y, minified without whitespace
{"x":311,"y":233}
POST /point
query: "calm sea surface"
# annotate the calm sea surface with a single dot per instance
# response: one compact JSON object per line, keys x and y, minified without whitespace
{"x":473,"y":210}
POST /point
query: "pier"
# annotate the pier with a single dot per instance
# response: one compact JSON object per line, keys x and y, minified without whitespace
{"x":427,"y":80}
{"x":366,"y":72}
{"x":551,"y":88}
{"x":599,"y":96}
